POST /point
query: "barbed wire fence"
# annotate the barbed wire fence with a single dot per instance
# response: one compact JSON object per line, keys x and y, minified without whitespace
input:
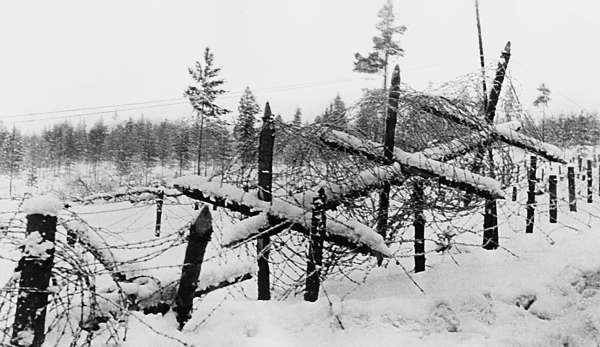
{"x":89,"y":300}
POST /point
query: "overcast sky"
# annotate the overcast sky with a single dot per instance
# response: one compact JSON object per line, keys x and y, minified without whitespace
{"x":76,"y":54}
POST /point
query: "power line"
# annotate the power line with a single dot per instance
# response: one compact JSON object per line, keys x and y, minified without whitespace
{"x":157,"y":103}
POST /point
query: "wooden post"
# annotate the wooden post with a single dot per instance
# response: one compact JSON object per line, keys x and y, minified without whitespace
{"x":589,"y":181}
{"x":531,"y":196}
{"x":571,"y":183}
{"x":490,"y":217}
{"x":315,"y":247}
{"x":388,"y":150}
{"x":419,"y":224}
{"x":159,"y":205}
{"x":200,"y":234}
{"x":553,"y":201}
{"x":36,"y":269}
{"x":514,"y":193}
{"x":579,"y":164}
{"x":265,"y":181}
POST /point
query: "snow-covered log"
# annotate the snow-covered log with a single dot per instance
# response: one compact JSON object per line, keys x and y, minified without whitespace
{"x":132,"y":194}
{"x":446,"y":109}
{"x":417,"y":164}
{"x":281,"y":214}
{"x":463,"y":145}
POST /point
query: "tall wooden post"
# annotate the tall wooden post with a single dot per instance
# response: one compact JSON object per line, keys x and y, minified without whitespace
{"x":315,"y":247}
{"x":589,"y":181}
{"x":36,"y":269}
{"x":571,"y":183}
{"x":419,"y":224}
{"x":579,"y":164}
{"x":159,"y":206}
{"x":388,"y":151}
{"x":200,"y":234}
{"x":490,"y":217}
{"x":265,"y":181}
{"x":531,"y":196}
{"x":553,"y":201}
{"x":514,"y":193}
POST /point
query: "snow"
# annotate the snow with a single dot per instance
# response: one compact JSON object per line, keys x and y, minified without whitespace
{"x":34,"y":246}
{"x":42,"y":204}
{"x":244,"y":229}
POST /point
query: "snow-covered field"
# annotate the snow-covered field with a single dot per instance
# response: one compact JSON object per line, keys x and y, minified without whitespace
{"x":540,"y":289}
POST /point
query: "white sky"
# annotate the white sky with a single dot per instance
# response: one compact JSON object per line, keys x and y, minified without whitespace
{"x":70,"y":54}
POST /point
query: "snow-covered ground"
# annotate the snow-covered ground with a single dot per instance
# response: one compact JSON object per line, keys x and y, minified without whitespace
{"x":539,"y":289}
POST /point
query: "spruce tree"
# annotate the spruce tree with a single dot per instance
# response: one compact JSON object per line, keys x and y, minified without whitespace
{"x":97,"y":137}
{"x":244,"y":130}
{"x":203,"y":94}
{"x":164,"y":142}
{"x":12,"y":156}
{"x":181,"y":146}
{"x":297,"y":121}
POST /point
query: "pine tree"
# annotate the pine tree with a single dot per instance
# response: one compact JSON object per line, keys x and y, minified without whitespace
{"x":385,"y":46}
{"x":542,"y":101}
{"x":12,"y":156}
{"x":164,"y":144}
{"x":148,"y":148}
{"x":203,"y":93}
{"x":244,"y":130}
{"x":97,"y":144}
{"x":181,"y":146}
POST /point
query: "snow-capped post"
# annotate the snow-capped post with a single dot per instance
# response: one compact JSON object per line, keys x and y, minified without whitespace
{"x":315,"y":247}
{"x":200,"y":233}
{"x":388,"y":152}
{"x":36,"y":269}
{"x":265,"y":180}
{"x":571,"y":183}
{"x":589,"y":181}
{"x":159,"y":206}
{"x":531,"y":196}
{"x":514,"y":193}
{"x":419,"y":224}
{"x":553,"y":202}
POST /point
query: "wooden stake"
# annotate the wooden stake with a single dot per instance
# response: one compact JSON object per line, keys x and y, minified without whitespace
{"x":571,"y":183}
{"x":265,"y":181}
{"x":514,"y":194}
{"x":159,"y":205}
{"x":315,"y":247}
{"x":200,"y":234}
{"x":388,"y":150}
{"x":553,"y":201}
{"x":531,"y":196}
{"x":589,"y":182}
{"x":490,"y":217}
{"x":36,"y":269}
{"x":419,"y":224}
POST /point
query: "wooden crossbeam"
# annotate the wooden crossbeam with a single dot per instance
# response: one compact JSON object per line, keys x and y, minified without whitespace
{"x":415,"y":164}
{"x":280,"y":215}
